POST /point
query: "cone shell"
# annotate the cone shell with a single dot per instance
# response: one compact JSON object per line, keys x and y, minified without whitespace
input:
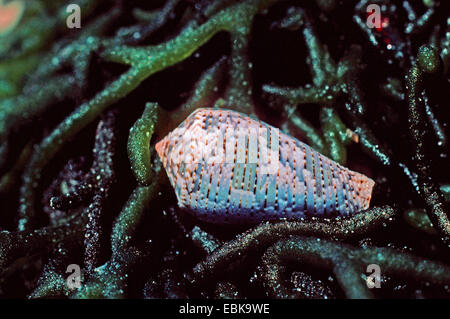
{"x":229,"y":168}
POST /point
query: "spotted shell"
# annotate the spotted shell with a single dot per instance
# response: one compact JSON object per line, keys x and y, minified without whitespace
{"x":226,"y":167}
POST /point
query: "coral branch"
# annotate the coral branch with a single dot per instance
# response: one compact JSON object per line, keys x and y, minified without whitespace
{"x":139,"y":144}
{"x":267,"y":233}
{"x":348,"y":264}
{"x":428,"y":62}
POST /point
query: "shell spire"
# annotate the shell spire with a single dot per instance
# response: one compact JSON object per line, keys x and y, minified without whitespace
{"x":229,"y":168}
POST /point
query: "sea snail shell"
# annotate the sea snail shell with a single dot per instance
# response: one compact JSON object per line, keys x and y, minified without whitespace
{"x":229,"y":168}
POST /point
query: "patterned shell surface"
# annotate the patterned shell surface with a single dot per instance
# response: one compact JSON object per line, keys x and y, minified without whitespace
{"x":226,"y":167}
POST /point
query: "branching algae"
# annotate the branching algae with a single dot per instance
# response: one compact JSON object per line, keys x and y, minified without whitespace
{"x":81,"y":111}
